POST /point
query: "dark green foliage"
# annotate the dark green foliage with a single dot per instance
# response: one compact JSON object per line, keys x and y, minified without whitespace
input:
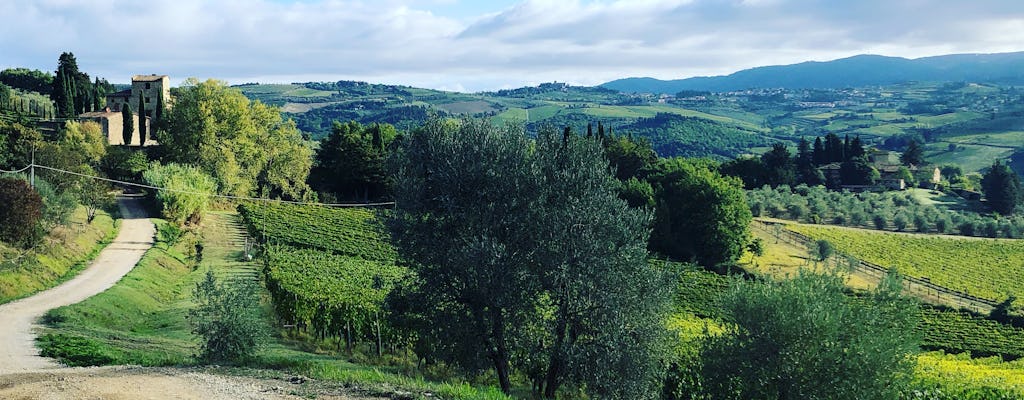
{"x":5,"y":96}
{"x":823,"y":249}
{"x":127,"y":124}
{"x":674,"y":135}
{"x":913,"y":154}
{"x":142,"y":121}
{"x":349,"y":164}
{"x":227,"y":318}
{"x":701,"y":216}
{"x":20,"y":211}
{"x":805,"y":339}
{"x":73,"y":351}
{"x":629,"y":157}
{"x":858,"y":171}
{"x":637,"y":193}
{"x":1002,"y":188}
{"x":28,"y":80}
{"x":525,"y":258}
{"x":124,"y":164}
{"x":72,"y":89}
{"x":779,"y":168}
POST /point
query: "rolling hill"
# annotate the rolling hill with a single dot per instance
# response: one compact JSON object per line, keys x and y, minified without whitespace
{"x":856,"y":71}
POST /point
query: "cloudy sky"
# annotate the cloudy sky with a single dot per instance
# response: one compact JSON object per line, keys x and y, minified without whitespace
{"x":486,"y":45}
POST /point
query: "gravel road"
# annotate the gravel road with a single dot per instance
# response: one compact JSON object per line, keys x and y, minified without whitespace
{"x":18,"y":319}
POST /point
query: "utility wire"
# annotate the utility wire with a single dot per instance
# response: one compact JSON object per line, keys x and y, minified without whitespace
{"x":16,"y":172}
{"x":224,"y":196}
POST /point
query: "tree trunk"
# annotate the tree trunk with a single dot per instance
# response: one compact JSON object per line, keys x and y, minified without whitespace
{"x":499,"y":353}
{"x":556,"y":364}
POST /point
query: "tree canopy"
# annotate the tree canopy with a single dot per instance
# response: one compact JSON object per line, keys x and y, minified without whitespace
{"x":1002,"y":188}
{"x":804,"y":338}
{"x":525,"y":258}
{"x":701,"y":216}
{"x":350,"y":161}
{"x":246,"y":145}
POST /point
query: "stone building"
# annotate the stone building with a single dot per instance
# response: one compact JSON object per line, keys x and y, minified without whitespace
{"x":112,"y":123}
{"x":147,"y":86}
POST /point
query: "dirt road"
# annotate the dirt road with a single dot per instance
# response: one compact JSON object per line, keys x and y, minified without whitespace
{"x":111,"y":383}
{"x":18,"y":319}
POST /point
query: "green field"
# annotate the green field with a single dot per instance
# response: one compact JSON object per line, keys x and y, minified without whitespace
{"x":987,"y":268}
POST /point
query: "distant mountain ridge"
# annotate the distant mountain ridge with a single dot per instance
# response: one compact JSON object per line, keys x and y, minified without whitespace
{"x":856,"y":71}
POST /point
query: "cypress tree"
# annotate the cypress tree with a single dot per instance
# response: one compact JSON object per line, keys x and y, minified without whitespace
{"x":158,"y":114}
{"x":127,"y":126}
{"x":142,"y":120}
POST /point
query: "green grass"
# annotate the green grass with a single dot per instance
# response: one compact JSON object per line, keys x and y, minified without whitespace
{"x":986,"y":268}
{"x":142,"y":321}
{"x":61,"y":256}
{"x":971,"y":158}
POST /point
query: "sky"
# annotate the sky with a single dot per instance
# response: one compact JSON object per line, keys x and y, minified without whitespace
{"x":486,"y":45}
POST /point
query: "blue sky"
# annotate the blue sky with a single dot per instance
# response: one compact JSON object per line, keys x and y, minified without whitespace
{"x":486,"y":45}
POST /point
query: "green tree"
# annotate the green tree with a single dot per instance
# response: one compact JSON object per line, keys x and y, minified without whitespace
{"x":127,"y":124}
{"x":142,"y":121}
{"x":1002,"y":188}
{"x":188,"y":196}
{"x":913,"y":154}
{"x":700,"y":215}
{"x":20,"y":212}
{"x":629,"y":157}
{"x":778,"y":166}
{"x":464,"y":205}
{"x":604,"y":326}
{"x":246,"y":145}
{"x":805,"y":338}
{"x":5,"y":96}
{"x":27,"y":80}
{"x":228,"y":319}
{"x":525,"y":257}
{"x":350,"y":161}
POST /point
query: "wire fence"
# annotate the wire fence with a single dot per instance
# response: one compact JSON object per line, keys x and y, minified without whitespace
{"x":920,"y":287}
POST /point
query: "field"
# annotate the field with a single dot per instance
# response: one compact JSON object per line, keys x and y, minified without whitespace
{"x":327,"y":269}
{"x":974,"y":117}
{"x":985,"y":268}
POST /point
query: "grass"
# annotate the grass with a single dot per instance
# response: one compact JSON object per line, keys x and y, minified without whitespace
{"x":142,"y":321}
{"x":971,"y":158}
{"x":62,"y":255}
{"x":987,"y":268}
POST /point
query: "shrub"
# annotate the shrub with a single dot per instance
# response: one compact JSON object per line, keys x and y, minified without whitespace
{"x":186,"y":197}
{"x":20,"y":211}
{"x":227,"y":319}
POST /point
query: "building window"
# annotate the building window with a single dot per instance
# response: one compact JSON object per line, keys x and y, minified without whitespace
{"x":147,"y":99}
{"x":147,"y":85}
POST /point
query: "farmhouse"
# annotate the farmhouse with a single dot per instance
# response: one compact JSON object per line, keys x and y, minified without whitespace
{"x":151,"y":89}
{"x":890,"y":176}
{"x":112,"y":124}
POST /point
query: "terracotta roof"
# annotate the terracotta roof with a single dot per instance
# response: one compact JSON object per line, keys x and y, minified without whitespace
{"x":95,"y":114}
{"x":148,"y":78}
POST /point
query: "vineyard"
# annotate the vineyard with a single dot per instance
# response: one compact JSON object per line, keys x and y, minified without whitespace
{"x":941,"y":329}
{"x":989,"y":269}
{"x":327,"y":270}
{"x":958,"y":332}
{"x":354,"y":232}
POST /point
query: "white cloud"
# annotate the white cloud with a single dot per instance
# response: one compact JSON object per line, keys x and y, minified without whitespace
{"x":581,"y":42}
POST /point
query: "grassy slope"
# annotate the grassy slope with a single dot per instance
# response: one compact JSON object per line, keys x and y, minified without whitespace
{"x":64,"y":253}
{"x":141,"y":320}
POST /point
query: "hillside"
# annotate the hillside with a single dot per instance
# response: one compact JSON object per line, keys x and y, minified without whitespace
{"x":856,"y":71}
